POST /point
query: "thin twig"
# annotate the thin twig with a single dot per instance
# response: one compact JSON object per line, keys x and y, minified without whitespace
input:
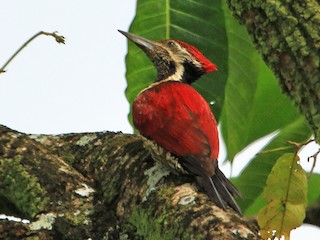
{"x":314,"y":156}
{"x":298,"y":146}
{"x":58,"y":38}
{"x":274,"y":150}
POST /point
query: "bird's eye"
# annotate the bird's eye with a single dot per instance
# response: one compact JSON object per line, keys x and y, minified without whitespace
{"x":170,"y":43}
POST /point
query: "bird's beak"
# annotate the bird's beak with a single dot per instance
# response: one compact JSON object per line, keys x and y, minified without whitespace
{"x":141,"y":42}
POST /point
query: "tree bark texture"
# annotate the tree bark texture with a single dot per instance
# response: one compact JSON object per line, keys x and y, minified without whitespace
{"x":287,"y":34}
{"x":103,"y":186}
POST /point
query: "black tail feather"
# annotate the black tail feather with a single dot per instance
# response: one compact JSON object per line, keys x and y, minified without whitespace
{"x":220,"y":190}
{"x":225,"y":181}
{"x":215,"y":193}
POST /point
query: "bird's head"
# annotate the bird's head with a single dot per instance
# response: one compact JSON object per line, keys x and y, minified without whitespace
{"x":174,"y":59}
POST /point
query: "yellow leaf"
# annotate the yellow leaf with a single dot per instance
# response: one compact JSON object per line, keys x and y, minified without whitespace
{"x":286,"y":193}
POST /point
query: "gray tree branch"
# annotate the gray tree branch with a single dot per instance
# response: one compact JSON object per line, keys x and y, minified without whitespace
{"x":103,"y":186}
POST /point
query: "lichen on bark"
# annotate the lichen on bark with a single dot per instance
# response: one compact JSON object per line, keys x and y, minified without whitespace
{"x":18,"y":186}
{"x":114,"y":165}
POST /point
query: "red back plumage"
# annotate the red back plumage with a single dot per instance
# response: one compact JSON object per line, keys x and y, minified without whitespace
{"x":178,"y":118}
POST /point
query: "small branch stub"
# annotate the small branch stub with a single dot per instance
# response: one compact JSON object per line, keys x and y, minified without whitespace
{"x":59,"y":39}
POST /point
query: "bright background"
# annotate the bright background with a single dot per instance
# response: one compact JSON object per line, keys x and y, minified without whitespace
{"x":77,"y":87}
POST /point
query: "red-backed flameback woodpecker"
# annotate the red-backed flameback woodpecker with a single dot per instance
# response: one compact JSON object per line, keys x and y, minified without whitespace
{"x":175,"y":116}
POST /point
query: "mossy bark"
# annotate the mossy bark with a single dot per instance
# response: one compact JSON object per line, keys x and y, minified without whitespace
{"x":287,"y":34}
{"x":51,"y":179}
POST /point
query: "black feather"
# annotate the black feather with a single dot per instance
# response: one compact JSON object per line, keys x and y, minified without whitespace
{"x":219,"y":189}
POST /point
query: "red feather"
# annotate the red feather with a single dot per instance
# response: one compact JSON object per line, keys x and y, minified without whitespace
{"x":178,"y":118}
{"x":205,"y":63}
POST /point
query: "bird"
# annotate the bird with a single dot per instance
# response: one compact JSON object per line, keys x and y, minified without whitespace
{"x":175,"y":116}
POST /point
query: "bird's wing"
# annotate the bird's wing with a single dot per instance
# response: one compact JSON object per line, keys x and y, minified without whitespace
{"x":176,"y":116}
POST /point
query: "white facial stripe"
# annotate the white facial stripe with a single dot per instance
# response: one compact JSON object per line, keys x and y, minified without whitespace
{"x":197,"y":64}
{"x":178,"y":74}
{"x":178,"y":59}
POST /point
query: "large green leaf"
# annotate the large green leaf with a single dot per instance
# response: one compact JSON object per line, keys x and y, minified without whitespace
{"x":254,"y":104}
{"x":252,"y":180}
{"x":200,"y":23}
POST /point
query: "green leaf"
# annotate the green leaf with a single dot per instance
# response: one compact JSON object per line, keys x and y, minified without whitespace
{"x":200,"y":23}
{"x":256,"y":205}
{"x":286,"y":193}
{"x":254,"y":104}
{"x":287,"y":181}
{"x":253,"y":178}
{"x":313,"y":188}
{"x":313,"y":196}
{"x":278,"y":221}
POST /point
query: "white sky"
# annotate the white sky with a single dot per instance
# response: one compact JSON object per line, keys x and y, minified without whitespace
{"x":77,"y":87}
{"x":52,"y":88}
